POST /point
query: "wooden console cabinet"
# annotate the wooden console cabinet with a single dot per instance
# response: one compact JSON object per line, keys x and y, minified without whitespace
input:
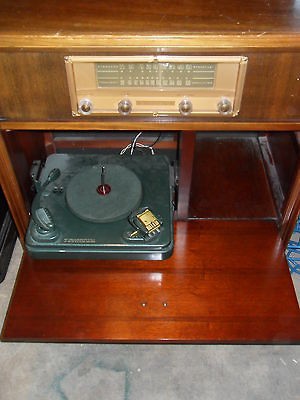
{"x":238,"y":183}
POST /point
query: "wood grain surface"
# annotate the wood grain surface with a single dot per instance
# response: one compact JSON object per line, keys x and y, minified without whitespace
{"x":229,"y":179}
{"x":227,"y":282}
{"x":12,"y":191}
{"x":34,"y":86}
{"x":67,"y":23}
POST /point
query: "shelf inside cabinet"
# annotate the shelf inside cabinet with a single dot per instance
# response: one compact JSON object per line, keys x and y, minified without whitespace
{"x":227,"y":282}
{"x":229,"y":180}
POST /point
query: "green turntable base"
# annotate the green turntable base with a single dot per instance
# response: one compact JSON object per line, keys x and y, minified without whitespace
{"x":102,"y":207}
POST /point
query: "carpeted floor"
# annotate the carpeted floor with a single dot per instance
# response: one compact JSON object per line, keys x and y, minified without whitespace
{"x":143,"y":372}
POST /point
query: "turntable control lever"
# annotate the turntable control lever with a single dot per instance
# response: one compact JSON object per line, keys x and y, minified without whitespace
{"x":53,"y":175}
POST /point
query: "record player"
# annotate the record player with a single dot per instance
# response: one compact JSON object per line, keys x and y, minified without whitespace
{"x":101,"y":207}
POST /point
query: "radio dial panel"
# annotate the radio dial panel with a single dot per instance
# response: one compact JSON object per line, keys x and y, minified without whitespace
{"x":156,"y":85}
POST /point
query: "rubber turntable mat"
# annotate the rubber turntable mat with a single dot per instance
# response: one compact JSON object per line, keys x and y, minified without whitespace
{"x":85,"y":201}
{"x":227,"y":282}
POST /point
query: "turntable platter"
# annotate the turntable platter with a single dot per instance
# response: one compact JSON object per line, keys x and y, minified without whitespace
{"x":100,"y":207}
{"x":104,"y":193}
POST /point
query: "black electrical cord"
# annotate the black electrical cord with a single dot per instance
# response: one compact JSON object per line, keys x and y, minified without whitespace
{"x":155,"y":141}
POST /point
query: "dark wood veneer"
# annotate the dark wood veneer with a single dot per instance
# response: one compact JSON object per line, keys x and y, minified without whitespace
{"x":229,"y":179}
{"x":227,"y":280}
{"x":158,"y":17}
{"x":34,"y":87}
{"x":244,"y":295}
{"x":285,"y":152}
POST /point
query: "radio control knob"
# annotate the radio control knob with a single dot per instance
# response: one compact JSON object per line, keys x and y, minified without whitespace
{"x":185,"y":107}
{"x":85,"y":106}
{"x":224,"y":106}
{"x":125,"y":107}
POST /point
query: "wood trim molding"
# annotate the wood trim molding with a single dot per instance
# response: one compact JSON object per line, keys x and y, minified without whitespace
{"x":131,"y":124}
{"x":260,"y":40}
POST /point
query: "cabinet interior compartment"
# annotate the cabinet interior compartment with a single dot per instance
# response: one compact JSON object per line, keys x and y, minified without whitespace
{"x":242,"y":175}
{"x":227,"y":271}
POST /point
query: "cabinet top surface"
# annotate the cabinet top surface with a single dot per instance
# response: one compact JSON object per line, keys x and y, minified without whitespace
{"x":67,"y":18}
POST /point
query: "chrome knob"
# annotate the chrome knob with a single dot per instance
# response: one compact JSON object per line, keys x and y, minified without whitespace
{"x":85,"y":107}
{"x":185,"y":107}
{"x":125,"y":107}
{"x":224,"y":106}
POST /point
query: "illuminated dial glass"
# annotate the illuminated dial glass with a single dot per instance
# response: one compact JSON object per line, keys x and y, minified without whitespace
{"x":155,"y":74}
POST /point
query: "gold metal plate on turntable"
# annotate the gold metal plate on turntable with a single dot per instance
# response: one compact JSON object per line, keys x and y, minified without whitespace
{"x":156,"y":85}
{"x":148,"y":220}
